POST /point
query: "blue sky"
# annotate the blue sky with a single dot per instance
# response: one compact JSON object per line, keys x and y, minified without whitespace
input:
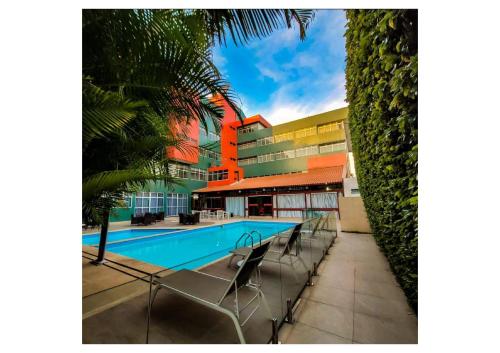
{"x":284,"y":79}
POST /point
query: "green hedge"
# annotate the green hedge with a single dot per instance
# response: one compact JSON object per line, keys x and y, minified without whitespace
{"x":382,"y":86}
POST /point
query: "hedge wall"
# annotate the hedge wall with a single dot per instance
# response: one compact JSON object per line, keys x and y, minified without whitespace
{"x":381,"y":82}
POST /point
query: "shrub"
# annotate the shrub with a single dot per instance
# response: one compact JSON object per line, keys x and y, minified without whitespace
{"x":382,"y":86}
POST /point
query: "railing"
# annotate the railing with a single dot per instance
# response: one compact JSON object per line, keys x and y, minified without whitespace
{"x":282,"y":283}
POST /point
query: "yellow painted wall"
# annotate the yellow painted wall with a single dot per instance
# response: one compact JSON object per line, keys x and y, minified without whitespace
{"x":353,"y":215}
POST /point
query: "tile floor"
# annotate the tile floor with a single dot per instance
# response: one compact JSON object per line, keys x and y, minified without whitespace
{"x":355,"y":299}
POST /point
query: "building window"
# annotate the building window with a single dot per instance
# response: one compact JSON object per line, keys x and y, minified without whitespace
{"x":198,"y":174}
{"x":179,"y":171}
{"x":306,"y":151}
{"x":265,"y":141}
{"x":355,"y":191}
{"x":177,"y":203}
{"x":151,"y":202}
{"x":283,"y":137}
{"x":247,"y":161}
{"x":209,"y":154}
{"x":126,"y":201}
{"x":305,"y":132}
{"x":249,"y":128}
{"x":214,"y":202}
{"x":213,"y":136}
{"x":247,"y":145}
{"x":265,"y":158}
{"x":332,"y":147}
{"x":218,"y":175}
{"x":285,"y":155}
{"x":322,"y":129}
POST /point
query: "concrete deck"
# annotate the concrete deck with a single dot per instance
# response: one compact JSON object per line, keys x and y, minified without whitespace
{"x":104,"y":287}
{"x":355,"y":299}
{"x":173,"y":222}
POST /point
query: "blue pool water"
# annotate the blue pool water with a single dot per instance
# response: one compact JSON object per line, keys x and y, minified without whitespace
{"x":193,"y":248}
{"x":92,"y":239}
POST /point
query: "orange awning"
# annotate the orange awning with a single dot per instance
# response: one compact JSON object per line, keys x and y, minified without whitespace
{"x":319,"y":176}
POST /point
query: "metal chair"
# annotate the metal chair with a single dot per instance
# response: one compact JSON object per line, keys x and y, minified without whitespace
{"x":210,"y":291}
{"x":277,"y":256}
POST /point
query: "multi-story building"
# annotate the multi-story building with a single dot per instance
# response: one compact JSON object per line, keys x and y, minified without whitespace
{"x":251,"y":168}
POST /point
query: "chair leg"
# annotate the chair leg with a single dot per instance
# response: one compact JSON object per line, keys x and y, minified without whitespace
{"x":293,"y":269}
{"x":303,"y":262}
{"x":266,"y":305}
{"x":154,"y":295}
{"x":235,"y":322}
{"x":230,"y":260}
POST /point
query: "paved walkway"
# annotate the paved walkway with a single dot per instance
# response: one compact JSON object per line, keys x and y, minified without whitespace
{"x":355,"y":299}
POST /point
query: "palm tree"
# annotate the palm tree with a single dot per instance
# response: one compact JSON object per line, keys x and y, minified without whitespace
{"x":143,"y":70}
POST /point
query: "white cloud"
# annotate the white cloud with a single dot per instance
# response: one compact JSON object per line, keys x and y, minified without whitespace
{"x":282,"y":112}
{"x":312,"y":81}
{"x":308,"y":76}
{"x":275,"y":75}
{"x":220,"y":62}
{"x":285,"y":107}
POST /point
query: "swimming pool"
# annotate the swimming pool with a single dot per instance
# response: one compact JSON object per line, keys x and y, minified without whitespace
{"x":93,"y":239}
{"x":190,"y":249}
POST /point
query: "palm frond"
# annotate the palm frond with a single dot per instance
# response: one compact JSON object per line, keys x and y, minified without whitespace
{"x":96,"y":185}
{"x":145,"y":71}
{"x":105,"y":112}
{"x":242,"y":25}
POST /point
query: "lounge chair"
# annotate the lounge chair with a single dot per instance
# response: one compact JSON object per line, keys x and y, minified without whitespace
{"x":196,"y":217}
{"x":182,"y":218}
{"x":159,"y":216}
{"x":277,"y":256}
{"x":210,"y":291}
{"x":139,"y":219}
{"x":148,"y":219}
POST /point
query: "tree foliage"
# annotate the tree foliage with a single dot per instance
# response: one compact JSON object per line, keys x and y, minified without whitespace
{"x":382,"y":89}
{"x":145,"y":71}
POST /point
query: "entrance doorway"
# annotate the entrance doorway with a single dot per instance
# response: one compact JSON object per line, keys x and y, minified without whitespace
{"x":260,"y":205}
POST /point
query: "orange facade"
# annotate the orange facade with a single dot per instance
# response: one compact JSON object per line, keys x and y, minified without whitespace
{"x":333,"y":160}
{"x":190,"y":152}
{"x":228,"y":145}
{"x":253,"y":119}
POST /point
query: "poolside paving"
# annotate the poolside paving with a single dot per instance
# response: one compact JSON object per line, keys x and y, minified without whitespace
{"x":177,"y":320}
{"x":355,"y":299}
{"x":106,"y":286}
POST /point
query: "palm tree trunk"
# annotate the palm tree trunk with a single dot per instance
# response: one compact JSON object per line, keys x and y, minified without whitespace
{"x":103,"y":239}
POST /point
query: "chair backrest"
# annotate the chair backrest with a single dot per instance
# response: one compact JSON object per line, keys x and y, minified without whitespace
{"x":182,"y":217}
{"x":197,"y":217}
{"x":292,"y":239}
{"x":319,"y":222}
{"x":246,"y":269}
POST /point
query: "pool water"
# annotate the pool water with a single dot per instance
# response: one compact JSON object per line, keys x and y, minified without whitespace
{"x":193,"y":248}
{"x":93,"y":239}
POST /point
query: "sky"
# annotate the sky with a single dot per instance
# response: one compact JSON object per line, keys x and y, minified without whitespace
{"x":283,"y":78}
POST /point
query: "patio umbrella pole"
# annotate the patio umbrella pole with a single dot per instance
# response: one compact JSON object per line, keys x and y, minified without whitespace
{"x":102,"y":241}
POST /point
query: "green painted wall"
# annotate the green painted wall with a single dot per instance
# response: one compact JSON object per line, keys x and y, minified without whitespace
{"x":331,"y":137}
{"x":323,"y":118}
{"x":293,"y":164}
{"x":267,"y":168}
{"x":319,"y":119}
{"x":123,"y":214}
